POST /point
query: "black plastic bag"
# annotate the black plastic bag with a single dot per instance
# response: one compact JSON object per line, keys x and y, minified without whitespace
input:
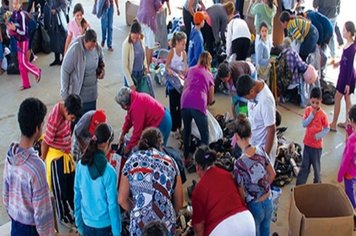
{"x":46,"y":41}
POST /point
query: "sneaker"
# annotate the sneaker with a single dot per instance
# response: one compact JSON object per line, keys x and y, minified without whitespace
{"x":110,"y":49}
{"x":102,"y":44}
{"x":54,"y":63}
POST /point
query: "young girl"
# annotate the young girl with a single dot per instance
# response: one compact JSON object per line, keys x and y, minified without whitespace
{"x":17,"y":28}
{"x":347,"y":76}
{"x":263,"y":53}
{"x":96,"y":209}
{"x":76,"y":26}
{"x":254,"y":175}
{"x":347,"y":169}
{"x":176,"y":66}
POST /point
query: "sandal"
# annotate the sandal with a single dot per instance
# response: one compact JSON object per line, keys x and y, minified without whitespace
{"x":24,"y":88}
{"x":341,"y":125}
{"x":38,"y":79}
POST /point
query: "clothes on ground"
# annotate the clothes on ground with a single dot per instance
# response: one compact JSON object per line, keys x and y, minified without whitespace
{"x":347,"y":75}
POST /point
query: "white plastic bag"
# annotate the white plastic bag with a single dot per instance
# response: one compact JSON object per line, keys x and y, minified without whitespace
{"x":215,"y":131}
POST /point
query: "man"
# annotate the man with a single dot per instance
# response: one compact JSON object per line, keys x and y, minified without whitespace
{"x":55,"y":150}
{"x":84,"y":131}
{"x":261,"y":113}
{"x":26,"y":195}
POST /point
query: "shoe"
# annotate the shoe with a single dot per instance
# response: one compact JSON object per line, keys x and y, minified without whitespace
{"x":110,"y":49}
{"x":341,"y":125}
{"x":54,"y":63}
{"x":102,"y":44}
{"x":24,"y":88}
{"x":38,"y":79}
{"x":60,"y":62}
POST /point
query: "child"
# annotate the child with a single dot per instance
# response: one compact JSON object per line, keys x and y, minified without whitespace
{"x":95,"y":182}
{"x":347,"y":170}
{"x":25,"y":191}
{"x":176,"y":66}
{"x":263,"y":53}
{"x":17,"y":27}
{"x":196,"y":40}
{"x":347,"y":76}
{"x":316,"y":122}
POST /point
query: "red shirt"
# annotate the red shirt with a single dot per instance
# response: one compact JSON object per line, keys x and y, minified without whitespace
{"x":58,"y":132}
{"x":319,"y":122}
{"x":215,"y":198}
{"x":143,"y":112}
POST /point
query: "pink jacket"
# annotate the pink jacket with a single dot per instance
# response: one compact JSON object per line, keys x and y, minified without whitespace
{"x":348,"y":162}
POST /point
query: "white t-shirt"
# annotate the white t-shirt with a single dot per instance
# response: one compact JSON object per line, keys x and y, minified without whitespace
{"x":237,"y":28}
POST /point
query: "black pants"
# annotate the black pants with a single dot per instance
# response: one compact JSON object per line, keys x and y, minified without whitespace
{"x":209,"y":39}
{"x":63,"y":191}
{"x":239,"y":6}
{"x":188,"y":21}
{"x":240,"y":47}
{"x":174,"y":108}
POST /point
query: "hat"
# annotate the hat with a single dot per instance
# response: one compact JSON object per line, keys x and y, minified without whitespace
{"x":198,"y":17}
{"x":97,"y":118}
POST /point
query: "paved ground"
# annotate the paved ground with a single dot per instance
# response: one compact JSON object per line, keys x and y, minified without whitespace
{"x":48,"y":91}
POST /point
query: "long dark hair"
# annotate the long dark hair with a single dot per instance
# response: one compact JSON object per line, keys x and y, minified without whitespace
{"x":350,"y":27}
{"x":150,"y":138}
{"x":103,"y":133}
{"x":204,"y":156}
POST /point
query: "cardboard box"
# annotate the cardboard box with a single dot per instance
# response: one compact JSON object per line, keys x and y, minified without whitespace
{"x":131,"y":8}
{"x":320,"y":209}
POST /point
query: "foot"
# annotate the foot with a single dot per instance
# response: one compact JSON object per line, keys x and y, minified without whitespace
{"x":60,"y":62}
{"x":110,"y":49}
{"x":38,"y":79}
{"x":332,"y":127}
{"x":24,"y":88}
{"x":341,"y":125}
{"x":54,"y":63}
{"x":102,"y":44}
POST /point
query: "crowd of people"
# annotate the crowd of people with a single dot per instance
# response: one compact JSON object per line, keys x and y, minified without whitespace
{"x":72,"y":163}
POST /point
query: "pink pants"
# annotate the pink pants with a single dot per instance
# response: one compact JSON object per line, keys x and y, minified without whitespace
{"x":24,"y":64}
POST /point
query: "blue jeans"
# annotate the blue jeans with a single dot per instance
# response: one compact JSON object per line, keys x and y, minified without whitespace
{"x":309,"y":44}
{"x":90,"y":231}
{"x":106,"y":25}
{"x":262,"y":213}
{"x":332,"y":40}
{"x":165,"y":126}
{"x":311,"y":157}
{"x":202,"y":123}
{"x":88,"y":106}
{"x":19,"y":229}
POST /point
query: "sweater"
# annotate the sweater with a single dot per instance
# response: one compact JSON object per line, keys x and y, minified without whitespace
{"x":196,"y":46}
{"x":128,"y":57}
{"x":323,"y":25}
{"x":298,"y":28}
{"x":263,"y":12}
{"x":95,"y":201}
{"x":218,"y":19}
{"x":26,"y":195}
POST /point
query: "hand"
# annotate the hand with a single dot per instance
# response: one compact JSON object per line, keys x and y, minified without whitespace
{"x":315,"y":110}
{"x":53,"y":11}
{"x":169,"y":12}
{"x":118,"y":11}
{"x":126,"y":151}
{"x":11,"y":26}
{"x":133,"y":87}
{"x":318,"y":136}
{"x":122,"y":139}
{"x":347,"y":90}
{"x":170,"y":72}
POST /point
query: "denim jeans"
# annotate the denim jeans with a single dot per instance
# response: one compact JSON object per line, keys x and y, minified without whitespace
{"x":90,"y":231}
{"x":202,"y":123}
{"x":88,"y":106}
{"x":106,"y":25}
{"x":262,"y":213}
{"x":19,"y":229}
{"x":311,"y":157}
{"x":309,"y":44}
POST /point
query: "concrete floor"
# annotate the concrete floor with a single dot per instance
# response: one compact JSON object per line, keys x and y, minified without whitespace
{"x":48,"y":91}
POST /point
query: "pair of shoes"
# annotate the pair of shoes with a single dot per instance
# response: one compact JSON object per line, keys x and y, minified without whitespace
{"x":110,"y":49}
{"x":341,"y":125}
{"x":24,"y":88}
{"x":55,"y":63}
{"x":38,"y":79}
{"x":102,"y":44}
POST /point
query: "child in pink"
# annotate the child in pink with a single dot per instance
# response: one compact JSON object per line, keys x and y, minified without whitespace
{"x":347,"y":169}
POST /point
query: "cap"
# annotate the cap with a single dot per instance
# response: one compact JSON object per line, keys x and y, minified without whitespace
{"x":198,"y":17}
{"x":98,"y":117}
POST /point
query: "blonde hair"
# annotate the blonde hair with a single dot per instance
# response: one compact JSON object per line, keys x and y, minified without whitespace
{"x":205,"y":59}
{"x":229,"y":8}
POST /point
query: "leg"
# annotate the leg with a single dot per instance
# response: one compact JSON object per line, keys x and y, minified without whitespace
{"x":348,"y":105}
{"x":21,"y":57}
{"x":258,"y":214}
{"x":29,"y":66}
{"x":110,"y":16}
{"x":187,"y":19}
{"x":174,"y":107}
{"x":209,"y":39}
{"x":332,"y":41}
{"x":350,"y":191}
{"x":202,"y":123}
{"x":338,"y":97}
{"x":266,"y":222}
{"x":69,"y":196}
{"x":340,"y":41}
{"x":165,"y":126}
{"x":305,"y":168}
{"x":104,"y":23}
{"x":89,"y":106}
{"x":18,"y":228}
{"x":187,"y":121}
{"x":149,"y":53}
{"x":315,"y":161}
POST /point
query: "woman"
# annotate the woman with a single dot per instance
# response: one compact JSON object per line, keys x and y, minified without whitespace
{"x":77,"y":26}
{"x":143,"y":111}
{"x":211,"y":213}
{"x":254,"y":175}
{"x":96,"y":209}
{"x":198,"y":93}
{"x":152,"y":179}
{"x":134,"y":61}
{"x":82,"y":67}
{"x":238,"y":39}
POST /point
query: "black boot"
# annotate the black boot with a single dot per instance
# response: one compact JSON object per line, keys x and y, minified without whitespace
{"x":56,"y":60}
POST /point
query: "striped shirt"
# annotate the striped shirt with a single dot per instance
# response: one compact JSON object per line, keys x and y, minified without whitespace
{"x":58,"y":131}
{"x":298,"y":28}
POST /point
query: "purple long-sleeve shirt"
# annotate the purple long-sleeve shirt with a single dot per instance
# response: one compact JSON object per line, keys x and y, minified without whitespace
{"x":147,"y":11}
{"x":19,"y":19}
{"x":25,"y":190}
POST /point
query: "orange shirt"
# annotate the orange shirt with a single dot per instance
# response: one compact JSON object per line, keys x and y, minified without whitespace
{"x":319,"y":122}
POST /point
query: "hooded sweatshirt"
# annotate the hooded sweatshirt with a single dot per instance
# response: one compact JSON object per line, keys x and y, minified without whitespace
{"x":263,"y":12}
{"x":25,"y":191}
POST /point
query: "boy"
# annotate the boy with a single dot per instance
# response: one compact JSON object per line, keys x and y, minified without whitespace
{"x":316,"y":122}
{"x":25,"y":191}
{"x":196,"y":40}
{"x":55,"y":150}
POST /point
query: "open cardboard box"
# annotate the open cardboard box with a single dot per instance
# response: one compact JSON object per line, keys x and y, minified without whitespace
{"x":320,"y":209}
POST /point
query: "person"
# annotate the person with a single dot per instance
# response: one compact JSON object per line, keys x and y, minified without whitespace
{"x":213,"y":32}
{"x":155,"y":228}
{"x":238,"y":38}
{"x":77,"y":26}
{"x":55,"y":151}
{"x":17,"y":27}
{"x":347,"y":169}
{"x":261,"y":113}
{"x":211,"y":213}
{"x":189,"y":8}
{"x":198,"y":93}
{"x":162,"y":32}
{"x":316,"y":123}
{"x":176,"y":66}
{"x":84,"y":130}
{"x":143,"y":111}
{"x":146,"y":15}
{"x":254,"y":175}
{"x":24,"y":180}
{"x":57,"y":31}
{"x":96,"y":181}
{"x":302,"y":31}
{"x":263,"y":53}
{"x":347,"y":75}
{"x":107,"y":20}
{"x":39,"y":4}
{"x":83,"y":66}
{"x":134,"y":61}
{"x":196,"y":40}
{"x":229,"y":73}
{"x":152,"y":180}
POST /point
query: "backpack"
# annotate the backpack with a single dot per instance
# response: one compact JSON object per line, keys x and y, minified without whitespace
{"x":283,"y":73}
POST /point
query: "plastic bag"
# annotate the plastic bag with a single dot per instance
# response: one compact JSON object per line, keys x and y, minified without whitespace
{"x":215,"y":131}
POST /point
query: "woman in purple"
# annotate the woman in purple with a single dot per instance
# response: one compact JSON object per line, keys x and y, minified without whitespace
{"x":347,"y":76}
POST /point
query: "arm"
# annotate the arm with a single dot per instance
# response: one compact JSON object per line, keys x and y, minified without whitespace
{"x":113,"y":207}
{"x":77,"y":202}
{"x":68,"y":40}
{"x":316,"y":4}
{"x":138,"y":126}
{"x":271,"y":132}
{"x":117,"y":7}
{"x":223,"y":26}
{"x":229,"y":34}
{"x":242,"y":192}
{"x":178,"y":194}
{"x":44,"y":149}
{"x":325,"y":129}
{"x":349,"y":153}
{"x":5,"y":188}
{"x":263,"y":58}
{"x":190,"y":7}
{"x":124,"y":194}
{"x":169,"y":7}
{"x":21,"y":28}
{"x":68,"y":67}
{"x":211,"y":96}
{"x":271,"y":173}
{"x":168,"y":62}
{"x":308,"y":119}
{"x":199,"y":228}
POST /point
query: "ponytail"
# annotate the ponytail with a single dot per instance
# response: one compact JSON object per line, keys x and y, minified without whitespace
{"x":88,"y":156}
{"x":350,"y":27}
{"x":204,"y":156}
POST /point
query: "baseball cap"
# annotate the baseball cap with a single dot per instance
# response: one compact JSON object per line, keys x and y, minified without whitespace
{"x":198,"y":17}
{"x":98,"y":117}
